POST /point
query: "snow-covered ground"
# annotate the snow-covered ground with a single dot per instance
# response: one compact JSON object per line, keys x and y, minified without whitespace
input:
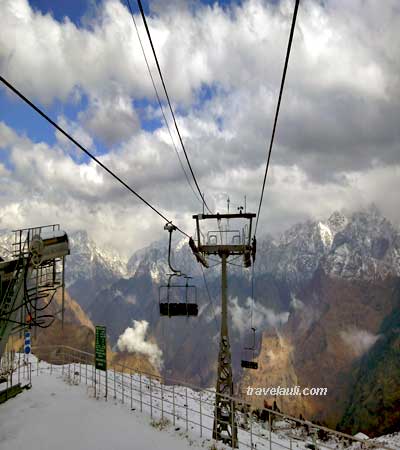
{"x":64,"y":410}
{"x":58,"y":415}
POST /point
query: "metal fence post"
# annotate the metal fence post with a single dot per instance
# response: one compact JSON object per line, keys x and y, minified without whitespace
{"x":251,"y":431}
{"x":141,"y":394}
{"x":173,"y":403}
{"x":270,"y":431}
{"x":151,"y":400}
{"x":37,"y":366}
{"x":86,"y":364}
{"x":19,"y":367}
{"x":63,"y":361}
{"x":106,"y":377}
{"x":162,"y":402}
{"x":123,"y":390}
{"x":98,"y":382}
{"x":201,"y":419}
{"x":315,"y":440}
{"x":290,"y":443}
{"x":91,"y":374}
{"x":130,"y":373}
{"x":186,"y":398}
{"x":233,"y":436}
{"x":115,"y":385}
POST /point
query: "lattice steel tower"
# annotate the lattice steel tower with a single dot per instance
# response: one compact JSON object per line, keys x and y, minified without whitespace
{"x":224,"y":243}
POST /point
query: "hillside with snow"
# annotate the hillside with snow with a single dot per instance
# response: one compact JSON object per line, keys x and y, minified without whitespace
{"x":67,"y":407}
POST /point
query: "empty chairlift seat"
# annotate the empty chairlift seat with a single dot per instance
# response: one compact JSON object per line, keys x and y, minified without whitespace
{"x":178,"y":300}
{"x":248,"y":354}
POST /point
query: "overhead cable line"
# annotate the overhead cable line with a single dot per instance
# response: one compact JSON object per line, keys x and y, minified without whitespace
{"x":160,"y":103}
{"x":68,"y":136}
{"x":169,"y":103}
{"x":296,"y":7}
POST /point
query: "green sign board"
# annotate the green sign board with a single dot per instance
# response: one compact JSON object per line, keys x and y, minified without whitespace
{"x":100,"y":348}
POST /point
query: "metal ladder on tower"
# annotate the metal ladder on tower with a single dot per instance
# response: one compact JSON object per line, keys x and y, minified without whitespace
{"x":8,"y":302}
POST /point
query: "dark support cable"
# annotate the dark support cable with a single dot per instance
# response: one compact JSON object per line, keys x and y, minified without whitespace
{"x":103,"y":166}
{"x":296,"y":7}
{"x":159,"y":101}
{"x":169,"y":102}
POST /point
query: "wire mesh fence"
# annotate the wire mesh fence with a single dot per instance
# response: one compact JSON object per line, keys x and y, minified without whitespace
{"x":15,"y":369}
{"x":189,"y":408}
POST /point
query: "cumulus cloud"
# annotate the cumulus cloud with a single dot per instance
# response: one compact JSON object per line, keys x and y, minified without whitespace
{"x":133,"y":340}
{"x":77,"y":132}
{"x":359,"y":341}
{"x":263,"y":317}
{"x":111,"y":119}
{"x":337,"y":143}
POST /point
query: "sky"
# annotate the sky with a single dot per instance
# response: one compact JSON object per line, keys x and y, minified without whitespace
{"x":337,"y":143}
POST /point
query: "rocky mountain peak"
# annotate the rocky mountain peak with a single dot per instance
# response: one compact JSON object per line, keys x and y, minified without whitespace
{"x":363,"y":245}
{"x":88,"y":260}
{"x":337,"y":222}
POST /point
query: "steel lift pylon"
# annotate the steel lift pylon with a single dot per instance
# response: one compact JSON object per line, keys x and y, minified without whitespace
{"x":224,"y":243}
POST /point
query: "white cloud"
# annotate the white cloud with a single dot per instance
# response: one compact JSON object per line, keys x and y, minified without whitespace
{"x":77,"y":132}
{"x":263,"y":317}
{"x":133,"y":340}
{"x":337,"y":140}
{"x":359,"y":341}
{"x":111,"y":119}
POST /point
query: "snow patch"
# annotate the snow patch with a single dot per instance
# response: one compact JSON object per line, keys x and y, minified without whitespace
{"x":155,"y":273}
{"x":325,"y":234}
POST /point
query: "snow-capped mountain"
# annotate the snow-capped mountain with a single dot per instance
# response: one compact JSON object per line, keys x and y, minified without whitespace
{"x":364,"y":245}
{"x":89,"y":267}
{"x":87,"y":260}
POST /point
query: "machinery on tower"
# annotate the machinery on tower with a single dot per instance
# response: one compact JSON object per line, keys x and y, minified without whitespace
{"x":29,"y":277}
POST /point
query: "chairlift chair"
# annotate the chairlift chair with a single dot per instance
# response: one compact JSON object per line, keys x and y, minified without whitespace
{"x":187,"y":307}
{"x":250,"y":363}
